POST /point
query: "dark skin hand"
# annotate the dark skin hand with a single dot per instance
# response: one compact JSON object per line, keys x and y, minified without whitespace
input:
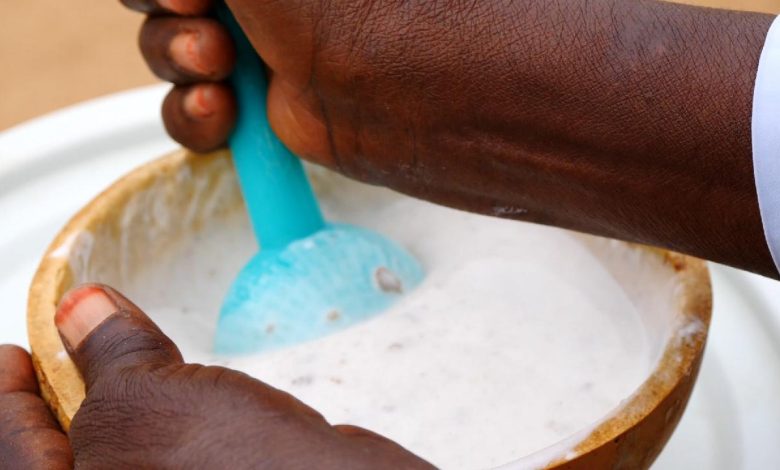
{"x":30,"y":437}
{"x":146,"y":408}
{"x":627,"y":119}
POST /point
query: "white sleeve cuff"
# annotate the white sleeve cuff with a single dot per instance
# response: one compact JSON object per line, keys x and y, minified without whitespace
{"x":766,"y":139}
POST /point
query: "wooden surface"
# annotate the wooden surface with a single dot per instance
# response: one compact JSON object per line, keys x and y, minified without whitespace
{"x":59,"y":52}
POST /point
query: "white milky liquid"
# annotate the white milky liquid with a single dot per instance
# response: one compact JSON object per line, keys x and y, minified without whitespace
{"x":517,"y":338}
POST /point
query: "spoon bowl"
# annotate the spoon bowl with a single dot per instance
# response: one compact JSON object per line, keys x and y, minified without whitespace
{"x":334,"y":278}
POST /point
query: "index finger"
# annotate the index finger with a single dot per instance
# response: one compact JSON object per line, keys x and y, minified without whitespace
{"x":16,"y":370}
{"x":30,"y":437}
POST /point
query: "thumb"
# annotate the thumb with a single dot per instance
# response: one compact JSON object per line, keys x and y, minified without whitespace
{"x":105,"y":333}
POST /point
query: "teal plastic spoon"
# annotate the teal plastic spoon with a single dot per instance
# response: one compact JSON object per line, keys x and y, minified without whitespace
{"x":310,"y":277}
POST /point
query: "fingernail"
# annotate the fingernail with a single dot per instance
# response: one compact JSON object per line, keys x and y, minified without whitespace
{"x":196,"y":102}
{"x":185,"y":52}
{"x":80,"y":311}
{"x":167,"y":4}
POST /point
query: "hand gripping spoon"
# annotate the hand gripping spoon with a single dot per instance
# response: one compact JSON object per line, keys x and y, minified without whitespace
{"x":310,"y":277}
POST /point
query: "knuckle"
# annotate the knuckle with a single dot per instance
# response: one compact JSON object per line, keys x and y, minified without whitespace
{"x":124,"y":404}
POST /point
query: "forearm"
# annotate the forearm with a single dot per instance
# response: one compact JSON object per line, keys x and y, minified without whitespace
{"x":623,"y":118}
{"x":629,"y":119}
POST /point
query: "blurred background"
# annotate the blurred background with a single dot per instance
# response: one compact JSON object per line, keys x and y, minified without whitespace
{"x":59,"y":52}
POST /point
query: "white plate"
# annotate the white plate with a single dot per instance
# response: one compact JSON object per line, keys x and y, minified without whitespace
{"x":52,"y":166}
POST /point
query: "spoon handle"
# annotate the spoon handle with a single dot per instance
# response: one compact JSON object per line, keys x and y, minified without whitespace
{"x":278,"y":197}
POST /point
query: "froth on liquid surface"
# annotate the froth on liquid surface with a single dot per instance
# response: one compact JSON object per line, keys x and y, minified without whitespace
{"x":517,"y":338}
